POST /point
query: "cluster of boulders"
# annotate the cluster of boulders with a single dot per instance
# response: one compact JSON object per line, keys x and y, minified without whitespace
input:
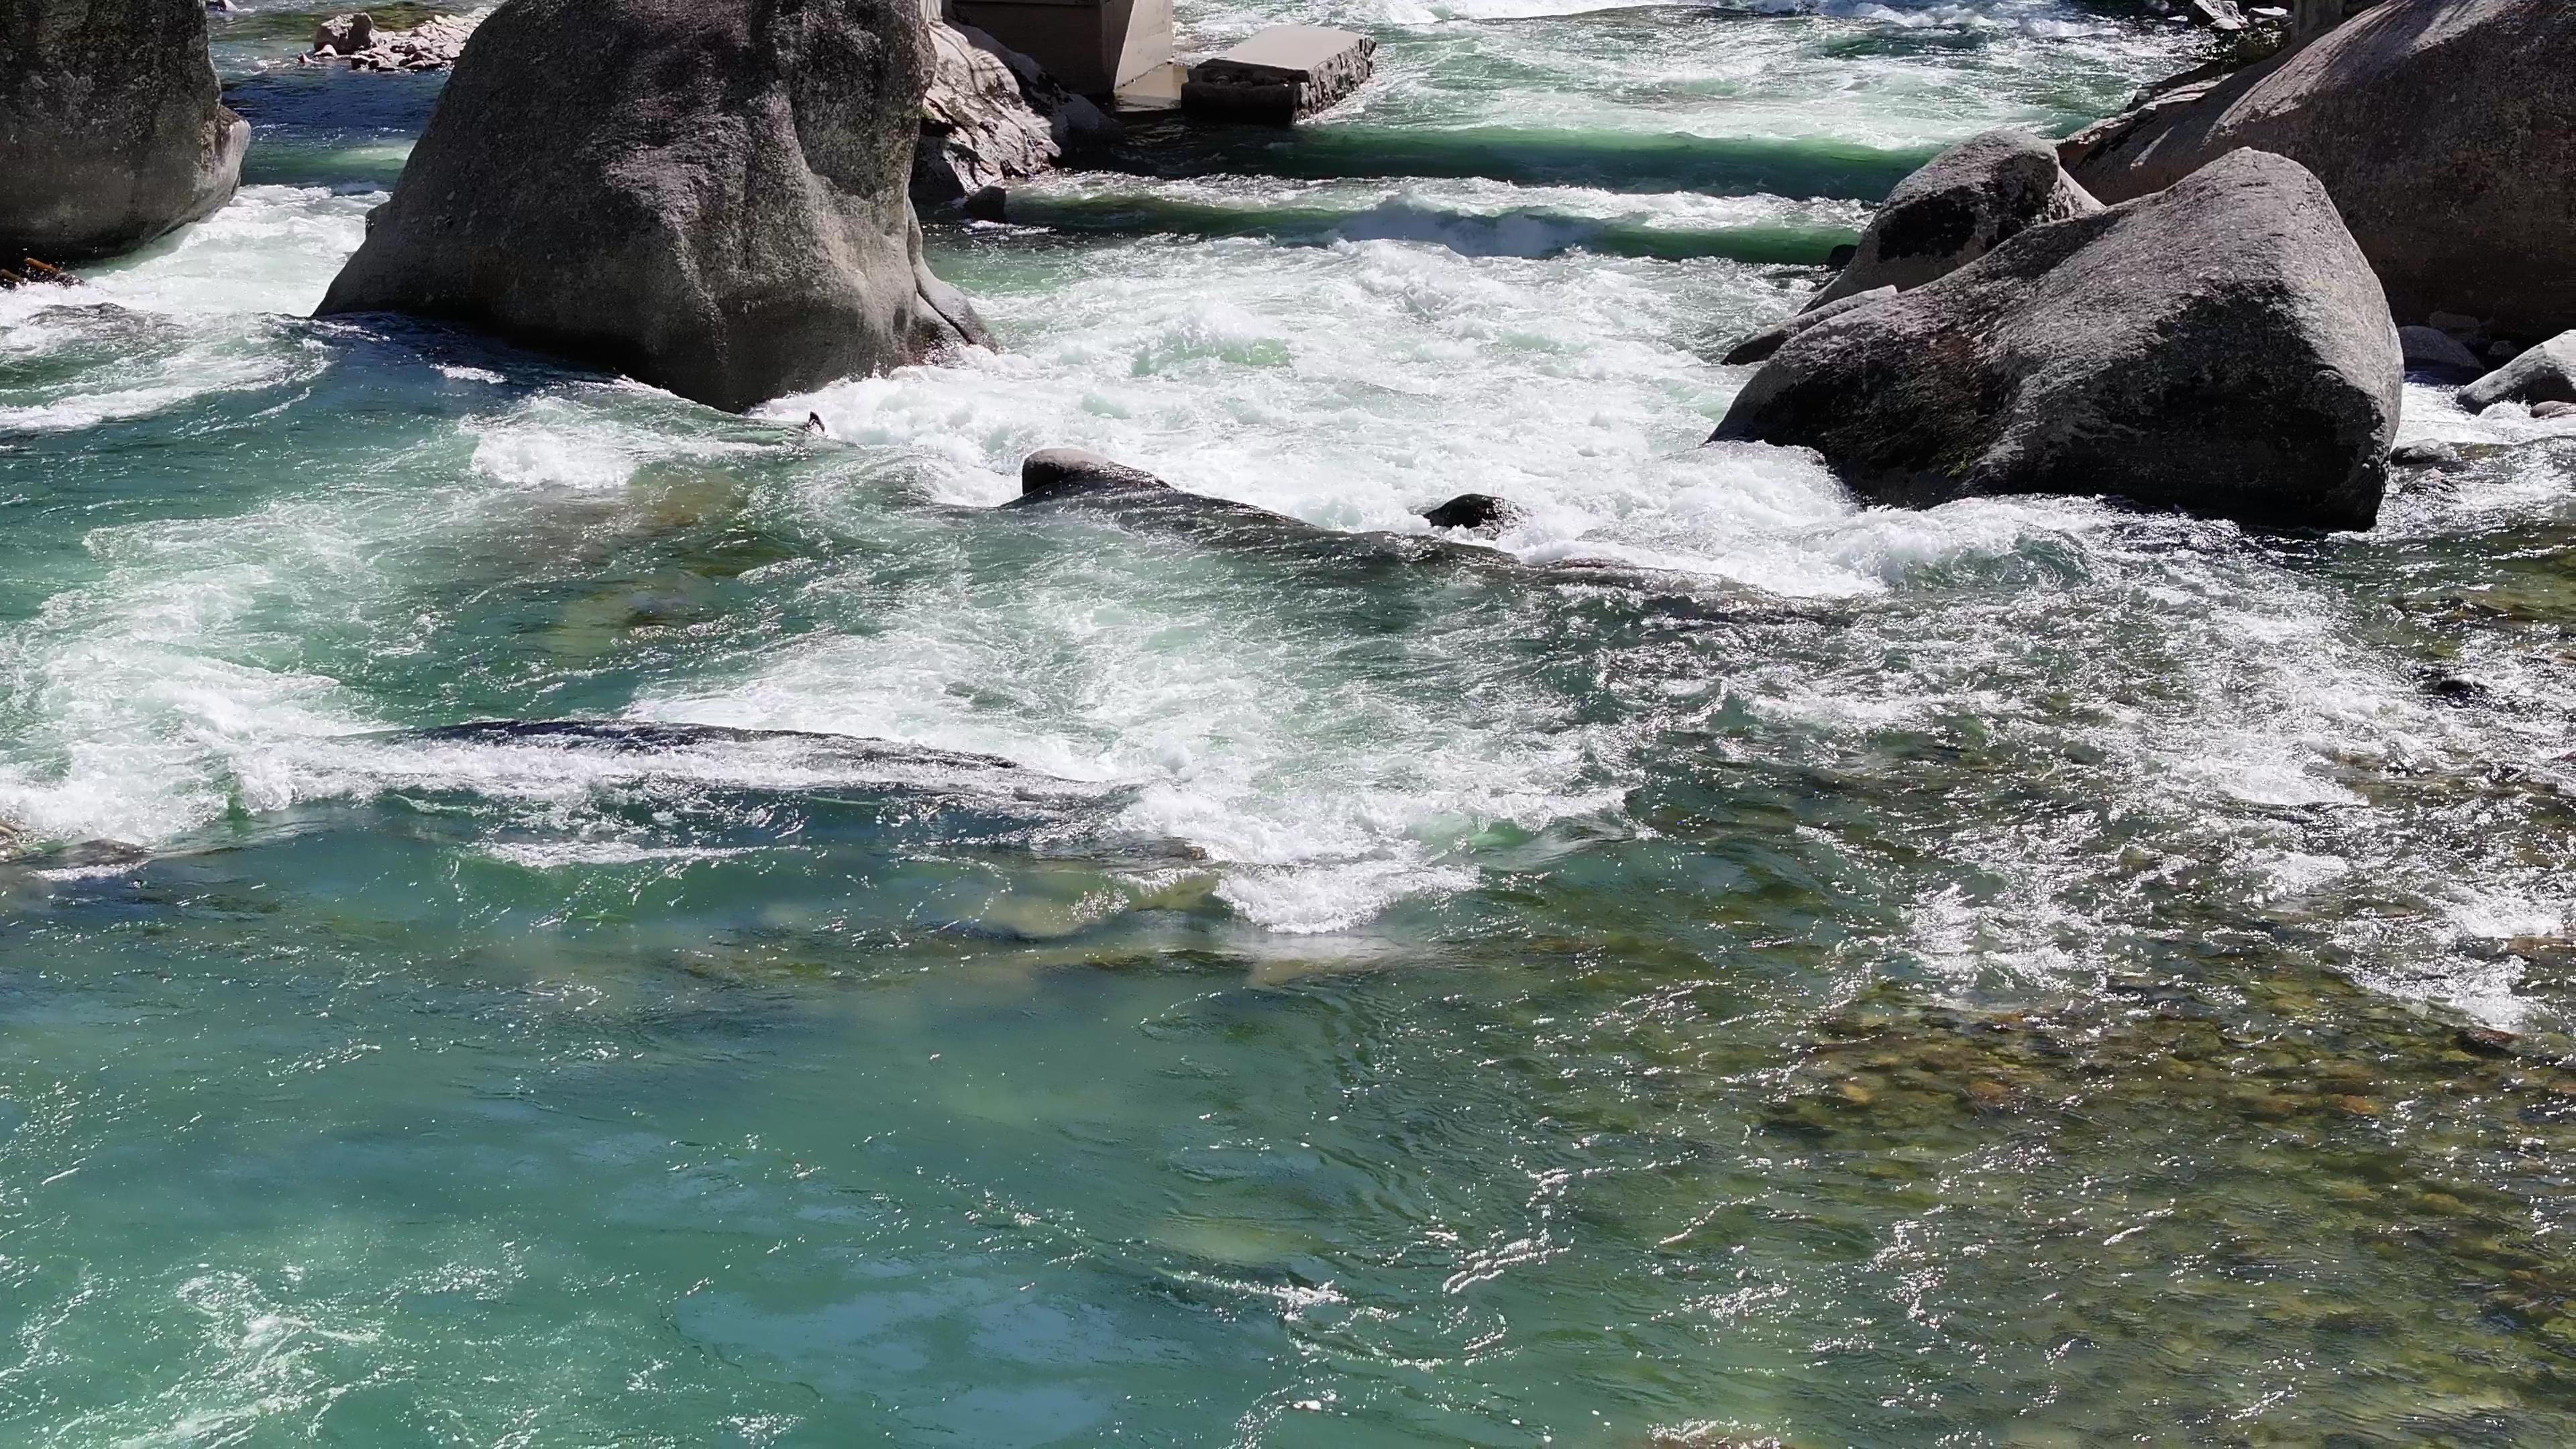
{"x":2220,"y":337}
{"x":2220,"y":348}
{"x":113,"y":130}
{"x":434,"y":44}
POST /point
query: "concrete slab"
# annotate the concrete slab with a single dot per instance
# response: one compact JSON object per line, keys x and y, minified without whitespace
{"x":1283,"y":73}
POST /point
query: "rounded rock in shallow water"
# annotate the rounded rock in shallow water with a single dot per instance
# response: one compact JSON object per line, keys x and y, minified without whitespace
{"x":1476,"y":513}
{"x":2544,"y":374}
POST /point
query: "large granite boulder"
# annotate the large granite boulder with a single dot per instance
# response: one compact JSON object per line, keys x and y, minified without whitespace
{"x":113,"y":130}
{"x":709,"y":195}
{"x":2219,"y":348}
{"x":2444,"y":129}
{"x":1959,"y":206}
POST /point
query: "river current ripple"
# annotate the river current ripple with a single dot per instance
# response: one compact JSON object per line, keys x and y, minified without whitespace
{"x":535,"y":913}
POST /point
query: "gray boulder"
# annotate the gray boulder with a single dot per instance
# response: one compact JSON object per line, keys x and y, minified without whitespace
{"x":2443,"y":130}
{"x":712,"y":197}
{"x":113,"y":130}
{"x":2430,"y":349}
{"x":346,"y":33}
{"x":2545,"y":374}
{"x":1959,"y":206}
{"x":2220,"y":348}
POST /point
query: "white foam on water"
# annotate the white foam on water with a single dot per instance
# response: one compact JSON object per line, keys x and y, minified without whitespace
{"x":1471,"y":216}
{"x":270,"y":249}
{"x":572,"y":854}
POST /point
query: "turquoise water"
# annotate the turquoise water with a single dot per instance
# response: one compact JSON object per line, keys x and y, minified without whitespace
{"x":1733,"y":967}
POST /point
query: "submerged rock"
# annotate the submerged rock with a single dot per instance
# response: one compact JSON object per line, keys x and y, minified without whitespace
{"x":712,"y":199}
{"x":2441,"y":128}
{"x":1476,"y":513}
{"x":113,"y":129}
{"x":1078,"y":480}
{"x":1959,"y":206}
{"x":2258,"y":380}
{"x":1063,"y":472}
{"x":2545,"y":374}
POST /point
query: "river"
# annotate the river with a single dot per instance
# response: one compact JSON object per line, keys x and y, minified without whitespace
{"x":1733,"y":968}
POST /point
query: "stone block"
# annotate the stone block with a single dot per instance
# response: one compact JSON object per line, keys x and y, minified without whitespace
{"x":1282,"y":74}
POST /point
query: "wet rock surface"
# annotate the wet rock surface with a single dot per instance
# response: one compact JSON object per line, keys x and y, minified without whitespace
{"x":1759,"y":346}
{"x":1077,"y":481}
{"x":1476,"y":513}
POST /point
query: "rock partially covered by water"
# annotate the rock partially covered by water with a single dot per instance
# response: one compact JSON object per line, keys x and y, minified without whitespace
{"x":1078,"y":481}
{"x":1476,"y":513}
{"x":2220,"y":348}
{"x":113,"y":130}
{"x":1962,"y":204}
{"x":992,"y":116}
{"x":2545,"y":374}
{"x":2442,"y":128}
{"x":2430,"y":349}
{"x":710,"y":195}
{"x":1063,"y":472}
{"x":434,"y":44}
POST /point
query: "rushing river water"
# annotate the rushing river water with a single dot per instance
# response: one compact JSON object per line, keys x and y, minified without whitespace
{"x":1737,"y":968}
